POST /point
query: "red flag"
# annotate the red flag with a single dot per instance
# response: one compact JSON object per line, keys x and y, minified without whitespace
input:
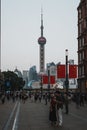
{"x":45,"y":79}
{"x":52,"y":79}
{"x":61,"y":71}
{"x":72,"y":71}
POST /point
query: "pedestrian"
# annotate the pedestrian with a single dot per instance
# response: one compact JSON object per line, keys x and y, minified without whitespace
{"x":35,"y":97}
{"x":3,"y":98}
{"x":46,"y":97}
{"x":32,"y":97}
{"x":40,"y":97}
{"x":52,"y":111}
{"x":81,"y":99}
{"x":59,"y":107}
{"x":77,"y":100}
{"x":13,"y":97}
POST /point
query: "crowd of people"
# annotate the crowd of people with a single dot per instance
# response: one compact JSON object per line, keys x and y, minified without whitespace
{"x":13,"y":96}
{"x":55,"y":99}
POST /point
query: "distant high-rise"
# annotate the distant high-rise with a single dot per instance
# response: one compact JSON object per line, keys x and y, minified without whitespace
{"x":82,"y":45}
{"x":33,"y":73}
{"x":42,"y":42}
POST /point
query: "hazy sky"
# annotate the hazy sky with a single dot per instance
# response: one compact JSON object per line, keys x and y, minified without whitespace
{"x":20,"y":30}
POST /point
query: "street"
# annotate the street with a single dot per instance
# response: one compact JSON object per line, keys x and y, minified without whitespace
{"x":35,"y":116}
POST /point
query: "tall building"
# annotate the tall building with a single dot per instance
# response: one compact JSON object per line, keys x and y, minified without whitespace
{"x":26,"y":77}
{"x":82,"y":45}
{"x":42,"y":42}
{"x":33,"y":73}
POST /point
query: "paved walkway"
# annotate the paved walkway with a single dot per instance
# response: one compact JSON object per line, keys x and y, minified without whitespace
{"x":34,"y":116}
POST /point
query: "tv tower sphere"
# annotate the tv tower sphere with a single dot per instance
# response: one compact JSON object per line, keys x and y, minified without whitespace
{"x":42,"y":40}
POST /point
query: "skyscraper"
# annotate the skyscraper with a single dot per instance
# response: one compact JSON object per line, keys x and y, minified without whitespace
{"x":82,"y":45}
{"x":42,"y":42}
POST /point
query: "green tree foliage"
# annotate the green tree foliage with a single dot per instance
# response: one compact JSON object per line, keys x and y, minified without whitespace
{"x":12,"y":81}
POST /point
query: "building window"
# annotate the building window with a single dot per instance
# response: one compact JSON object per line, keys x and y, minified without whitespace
{"x":82,"y":70}
{"x":79,"y":13}
{"x":83,"y":41}
{"x":80,"y":28}
{"x":80,"y":57}
{"x":79,"y":71}
{"x":83,"y":55}
{"x":79,"y":43}
{"x":86,"y":55}
{"x":84,"y":23}
{"x":85,"y":69}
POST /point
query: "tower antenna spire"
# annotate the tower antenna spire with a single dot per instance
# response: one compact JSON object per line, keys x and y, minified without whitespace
{"x":42,"y":21}
{"x":41,"y":13}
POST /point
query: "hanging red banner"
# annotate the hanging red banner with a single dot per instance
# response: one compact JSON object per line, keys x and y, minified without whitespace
{"x":61,"y":71}
{"x":45,"y":79}
{"x":72,"y":71}
{"x":52,"y":79}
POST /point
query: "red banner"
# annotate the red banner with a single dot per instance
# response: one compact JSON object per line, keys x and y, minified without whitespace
{"x":45,"y":79}
{"x":52,"y":79}
{"x":72,"y":71}
{"x":61,"y":71}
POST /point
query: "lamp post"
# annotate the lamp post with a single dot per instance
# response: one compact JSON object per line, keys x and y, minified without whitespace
{"x":66,"y":81}
{"x":48,"y":67}
{"x":41,"y":86}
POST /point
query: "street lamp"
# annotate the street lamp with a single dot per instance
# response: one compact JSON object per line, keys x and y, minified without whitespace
{"x":66,"y":81}
{"x":41,"y":83}
{"x":48,"y":68}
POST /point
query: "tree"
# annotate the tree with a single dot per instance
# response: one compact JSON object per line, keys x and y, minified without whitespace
{"x":12,"y":81}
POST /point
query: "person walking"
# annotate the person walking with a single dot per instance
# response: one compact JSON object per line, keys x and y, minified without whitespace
{"x":3,"y":98}
{"x":59,"y":107}
{"x":52,"y":112}
{"x":46,"y":97}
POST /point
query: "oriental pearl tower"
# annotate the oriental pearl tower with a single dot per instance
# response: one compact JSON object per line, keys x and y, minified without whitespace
{"x":42,"y":42}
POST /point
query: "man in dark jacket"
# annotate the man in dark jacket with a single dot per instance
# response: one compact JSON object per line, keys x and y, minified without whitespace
{"x":59,"y":101}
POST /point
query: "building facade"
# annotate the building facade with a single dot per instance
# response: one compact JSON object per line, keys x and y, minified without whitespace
{"x":33,"y":73}
{"x":26,"y":77}
{"x":82,"y":45}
